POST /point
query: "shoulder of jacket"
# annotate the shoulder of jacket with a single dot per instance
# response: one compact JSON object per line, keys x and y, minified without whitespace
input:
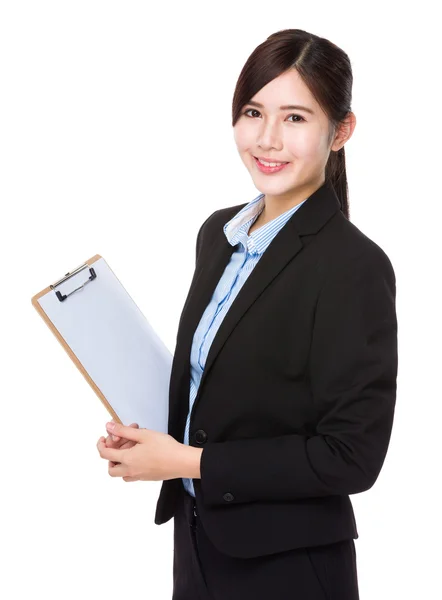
{"x":352,"y":251}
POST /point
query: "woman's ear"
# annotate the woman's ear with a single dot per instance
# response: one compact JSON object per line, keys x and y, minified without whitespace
{"x":344,"y":131}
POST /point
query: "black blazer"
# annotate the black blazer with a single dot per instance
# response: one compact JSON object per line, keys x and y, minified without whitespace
{"x":295,"y":407}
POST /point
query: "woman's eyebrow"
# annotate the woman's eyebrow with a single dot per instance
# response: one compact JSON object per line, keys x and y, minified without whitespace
{"x":285,"y":107}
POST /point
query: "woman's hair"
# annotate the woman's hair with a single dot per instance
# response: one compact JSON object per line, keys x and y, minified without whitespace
{"x":326,"y":71}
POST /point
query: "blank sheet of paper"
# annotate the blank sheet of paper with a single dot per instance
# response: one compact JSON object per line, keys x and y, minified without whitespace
{"x":116,"y":345}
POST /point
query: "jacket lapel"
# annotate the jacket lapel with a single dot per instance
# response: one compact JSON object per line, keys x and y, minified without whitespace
{"x":308,"y":219}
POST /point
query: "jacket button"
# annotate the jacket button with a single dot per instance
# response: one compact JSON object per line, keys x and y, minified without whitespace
{"x":229,"y":497}
{"x":200,"y":436}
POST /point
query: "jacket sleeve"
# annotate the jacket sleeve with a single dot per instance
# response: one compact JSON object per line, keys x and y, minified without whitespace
{"x":352,"y":370}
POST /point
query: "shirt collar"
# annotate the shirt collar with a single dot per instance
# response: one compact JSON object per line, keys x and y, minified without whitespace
{"x":236,"y":230}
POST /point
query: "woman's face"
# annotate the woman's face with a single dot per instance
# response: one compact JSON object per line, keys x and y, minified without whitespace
{"x":296,"y":136}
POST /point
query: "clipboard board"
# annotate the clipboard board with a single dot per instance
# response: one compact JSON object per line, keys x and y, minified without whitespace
{"x":111,"y":342}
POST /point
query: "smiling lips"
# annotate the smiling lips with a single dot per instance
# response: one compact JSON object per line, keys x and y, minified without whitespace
{"x":268,"y":169}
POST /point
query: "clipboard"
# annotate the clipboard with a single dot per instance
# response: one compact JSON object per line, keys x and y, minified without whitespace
{"x":111,"y":342}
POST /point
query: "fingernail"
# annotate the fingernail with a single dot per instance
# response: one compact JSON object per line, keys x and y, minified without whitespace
{"x":114,"y":437}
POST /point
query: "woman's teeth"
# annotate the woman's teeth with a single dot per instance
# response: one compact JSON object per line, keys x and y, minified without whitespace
{"x":272,"y":164}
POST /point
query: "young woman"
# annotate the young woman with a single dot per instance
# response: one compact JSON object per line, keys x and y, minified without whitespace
{"x":283,"y":383}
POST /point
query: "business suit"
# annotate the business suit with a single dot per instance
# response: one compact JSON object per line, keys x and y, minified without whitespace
{"x":287,"y":436}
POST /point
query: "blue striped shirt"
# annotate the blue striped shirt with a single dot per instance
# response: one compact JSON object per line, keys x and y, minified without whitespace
{"x":242,"y":262}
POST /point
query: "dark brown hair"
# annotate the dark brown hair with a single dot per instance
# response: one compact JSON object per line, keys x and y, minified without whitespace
{"x":326,"y":71}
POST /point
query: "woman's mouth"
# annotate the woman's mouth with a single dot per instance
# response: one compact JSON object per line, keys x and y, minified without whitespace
{"x":266,"y":169}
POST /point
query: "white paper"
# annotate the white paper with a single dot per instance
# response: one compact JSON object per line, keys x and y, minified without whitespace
{"x":116,"y":345}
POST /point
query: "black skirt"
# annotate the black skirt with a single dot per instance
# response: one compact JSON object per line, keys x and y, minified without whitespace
{"x":202,"y":572}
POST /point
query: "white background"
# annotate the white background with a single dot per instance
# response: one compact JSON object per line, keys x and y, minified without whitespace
{"x":116,"y":139}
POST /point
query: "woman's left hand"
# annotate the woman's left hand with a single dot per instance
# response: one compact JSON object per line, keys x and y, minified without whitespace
{"x":155,"y":457}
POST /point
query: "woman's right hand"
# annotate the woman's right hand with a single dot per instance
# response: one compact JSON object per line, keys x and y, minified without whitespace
{"x":114,"y":441}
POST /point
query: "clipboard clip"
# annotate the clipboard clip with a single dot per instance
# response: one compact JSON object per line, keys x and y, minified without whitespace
{"x":92,"y":276}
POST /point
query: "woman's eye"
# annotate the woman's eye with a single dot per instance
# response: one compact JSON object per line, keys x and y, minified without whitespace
{"x":257,"y":111}
{"x":302,"y":118}
{"x":250,"y":110}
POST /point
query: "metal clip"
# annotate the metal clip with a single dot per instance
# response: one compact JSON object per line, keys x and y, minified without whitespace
{"x":61,"y":297}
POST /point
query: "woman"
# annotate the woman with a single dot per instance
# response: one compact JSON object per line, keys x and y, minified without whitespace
{"x":283,"y":383}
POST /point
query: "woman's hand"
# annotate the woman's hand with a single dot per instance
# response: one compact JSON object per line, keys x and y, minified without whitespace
{"x":152,"y":455}
{"x":114,"y":441}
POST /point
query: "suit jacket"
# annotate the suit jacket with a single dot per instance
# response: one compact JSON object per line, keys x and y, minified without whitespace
{"x":295,"y":406}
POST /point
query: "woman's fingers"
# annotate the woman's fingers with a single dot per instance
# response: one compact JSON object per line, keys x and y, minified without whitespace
{"x":115,"y":441}
{"x":116,"y":438}
{"x":122,"y":445}
{"x":125,"y":446}
{"x":112,"y":438}
{"x":128,"y":444}
{"x":110,"y":443}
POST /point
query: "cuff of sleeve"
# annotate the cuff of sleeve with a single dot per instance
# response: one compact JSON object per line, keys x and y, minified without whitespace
{"x":251,"y":470}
